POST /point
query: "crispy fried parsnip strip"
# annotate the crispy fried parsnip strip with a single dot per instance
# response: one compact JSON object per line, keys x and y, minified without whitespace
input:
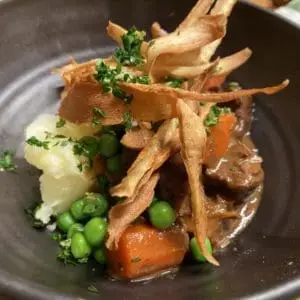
{"x":193,"y":140}
{"x":223,"y":7}
{"x":82,"y":98}
{"x":137,"y":138}
{"x":200,"y":9}
{"x":141,"y":93}
{"x":157,"y":31}
{"x":181,"y":47}
{"x":116,"y":32}
{"x":123,"y":214}
{"x":157,"y":151}
{"x":227,"y":65}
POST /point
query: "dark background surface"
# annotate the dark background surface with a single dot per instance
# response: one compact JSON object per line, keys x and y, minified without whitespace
{"x":39,"y":35}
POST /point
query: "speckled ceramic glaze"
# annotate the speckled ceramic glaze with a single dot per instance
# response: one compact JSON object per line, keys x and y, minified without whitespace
{"x":39,"y":35}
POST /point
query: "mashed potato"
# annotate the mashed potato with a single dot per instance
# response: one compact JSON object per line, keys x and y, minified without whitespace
{"x":61,"y":182}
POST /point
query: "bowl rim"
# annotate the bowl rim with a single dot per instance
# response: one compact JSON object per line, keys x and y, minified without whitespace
{"x":19,"y":288}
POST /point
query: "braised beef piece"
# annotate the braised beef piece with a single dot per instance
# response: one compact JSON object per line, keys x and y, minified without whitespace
{"x":244,"y":116}
{"x":240,"y":168}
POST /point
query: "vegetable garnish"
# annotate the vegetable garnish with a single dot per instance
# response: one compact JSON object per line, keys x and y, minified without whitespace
{"x":60,"y":123}
{"x":214,"y":114}
{"x":174,"y":81}
{"x":109,"y":77}
{"x":33,"y":141}
{"x":7,"y":161}
{"x":91,"y":288}
{"x":233,"y":85}
{"x":30,"y":213}
{"x":127,"y":120}
{"x":130,"y":54}
{"x":98,"y":115}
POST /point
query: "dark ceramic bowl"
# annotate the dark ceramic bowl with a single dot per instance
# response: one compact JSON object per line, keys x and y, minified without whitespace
{"x":39,"y":35}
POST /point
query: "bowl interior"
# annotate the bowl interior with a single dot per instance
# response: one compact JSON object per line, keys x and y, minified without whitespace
{"x":38,"y":36}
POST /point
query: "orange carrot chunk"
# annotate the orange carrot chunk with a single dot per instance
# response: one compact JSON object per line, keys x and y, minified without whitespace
{"x":219,"y":137}
{"x":145,"y":250}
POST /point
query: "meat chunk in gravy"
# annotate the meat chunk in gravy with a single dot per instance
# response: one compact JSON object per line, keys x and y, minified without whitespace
{"x":239,"y":169}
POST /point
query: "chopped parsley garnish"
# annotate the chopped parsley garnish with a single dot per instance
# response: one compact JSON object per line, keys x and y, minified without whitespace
{"x":202,"y":103}
{"x":65,"y":254}
{"x":98,"y":114}
{"x":136,"y":260}
{"x":109,"y":78}
{"x":91,"y":288}
{"x":33,"y":141}
{"x":7,"y":161}
{"x":60,"y":123}
{"x":30,"y":213}
{"x":233,"y":85}
{"x":151,"y":43}
{"x":127,"y":120}
{"x":87,"y":146}
{"x":130,"y":53}
{"x":214,"y":114}
{"x":141,"y":79}
{"x":174,"y":81}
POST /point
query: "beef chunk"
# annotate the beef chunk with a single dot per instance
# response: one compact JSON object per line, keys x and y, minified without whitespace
{"x":239,"y":170}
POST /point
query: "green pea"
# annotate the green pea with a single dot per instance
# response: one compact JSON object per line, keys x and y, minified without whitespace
{"x":65,"y":221}
{"x":77,"y":209}
{"x":161,"y":214}
{"x":96,"y":205}
{"x":101,"y":205}
{"x":95,"y":231}
{"x":113,"y":164}
{"x":195,"y":249}
{"x":79,"y":246}
{"x":99,"y":256}
{"x":77,"y":227}
{"x":108,"y":145}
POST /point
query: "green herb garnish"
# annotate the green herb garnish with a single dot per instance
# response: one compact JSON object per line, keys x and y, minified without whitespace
{"x":151,"y":43}
{"x":33,"y":141}
{"x":127,"y":120}
{"x":214,"y":114}
{"x":7,"y":161}
{"x":233,"y":85}
{"x":136,"y":260}
{"x":130,"y":53}
{"x":109,"y":78}
{"x":98,"y":114}
{"x":91,"y":288}
{"x":30,"y":213}
{"x":60,"y":123}
{"x":174,"y":81}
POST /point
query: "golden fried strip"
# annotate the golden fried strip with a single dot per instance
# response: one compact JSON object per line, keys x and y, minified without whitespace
{"x":157,"y":31}
{"x":200,"y":9}
{"x":156,"y":152}
{"x":181,"y":48}
{"x":193,"y":140}
{"x":227,"y":65}
{"x":137,"y":138}
{"x":123,"y":214}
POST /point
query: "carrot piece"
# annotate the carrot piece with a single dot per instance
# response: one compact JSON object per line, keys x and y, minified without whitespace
{"x":144,"y":250}
{"x":218,"y":140}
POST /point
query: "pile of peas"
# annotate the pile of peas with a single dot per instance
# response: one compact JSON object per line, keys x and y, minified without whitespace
{"x":86,"y":226}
